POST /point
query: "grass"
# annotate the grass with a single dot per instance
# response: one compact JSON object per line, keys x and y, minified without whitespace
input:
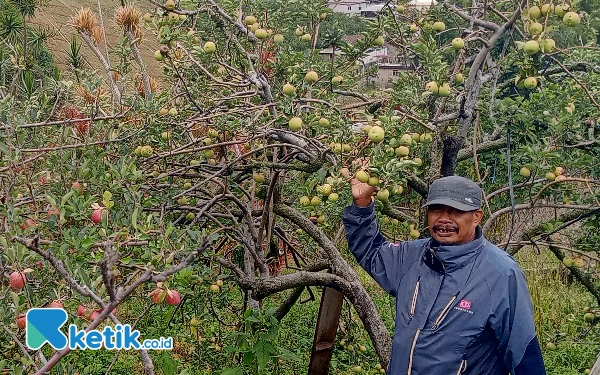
{"x":559,"y":305}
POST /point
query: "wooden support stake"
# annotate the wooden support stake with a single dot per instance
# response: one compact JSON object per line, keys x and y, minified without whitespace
{"x":327,"y":324}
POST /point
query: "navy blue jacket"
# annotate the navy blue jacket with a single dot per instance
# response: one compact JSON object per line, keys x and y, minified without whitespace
{"x":462,"y":309}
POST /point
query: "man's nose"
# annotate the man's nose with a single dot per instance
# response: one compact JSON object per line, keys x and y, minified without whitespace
{"x":445,"y":219}
{"x":445,"y":216}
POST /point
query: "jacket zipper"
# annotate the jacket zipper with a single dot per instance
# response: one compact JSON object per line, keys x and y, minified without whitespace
{"x":413,"y":303}
{"x":463,"y":367}
{"x":444,"y":312}
{"x":412,"y":351}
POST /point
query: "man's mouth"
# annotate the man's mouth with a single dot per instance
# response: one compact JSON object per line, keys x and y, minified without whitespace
{"x":445,"y":230}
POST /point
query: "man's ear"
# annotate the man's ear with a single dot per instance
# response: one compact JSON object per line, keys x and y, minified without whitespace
{"x":478,"y":216}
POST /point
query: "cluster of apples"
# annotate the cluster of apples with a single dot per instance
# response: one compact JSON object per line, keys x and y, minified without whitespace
{"x":170,"y":296}
{"x":557,"y":174}
{"x":261,"y":33}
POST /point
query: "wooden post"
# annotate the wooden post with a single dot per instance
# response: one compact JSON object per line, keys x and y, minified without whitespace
{"x":596,"y":368}
{"x":327,"y":324}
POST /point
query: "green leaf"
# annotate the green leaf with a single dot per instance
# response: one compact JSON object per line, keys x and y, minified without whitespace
{"x":88,"y":242}
{"x":66,"y":197}
{"x":3,"y":148}
{"x":286,"y":355}
{"x":134,"y":216}
{"x":169,"y":365}
{"x":263,"y":350}
{"x":15,"y":298}
{"x":232,"y":371}
{"x":85,"y":278}
{"x":51,"y":200}
{"x":107,"y":195}
{"x":322,"y":173}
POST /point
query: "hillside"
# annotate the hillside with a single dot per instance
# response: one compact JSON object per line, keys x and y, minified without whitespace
{"x":56,"y":16}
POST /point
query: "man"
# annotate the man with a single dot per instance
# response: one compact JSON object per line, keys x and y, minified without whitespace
{"x":462,"y":304}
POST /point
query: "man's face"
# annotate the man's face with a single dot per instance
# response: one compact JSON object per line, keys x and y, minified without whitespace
{"x":450,"y":226}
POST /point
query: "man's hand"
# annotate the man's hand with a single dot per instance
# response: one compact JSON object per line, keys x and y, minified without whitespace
{"x":361,"y":191}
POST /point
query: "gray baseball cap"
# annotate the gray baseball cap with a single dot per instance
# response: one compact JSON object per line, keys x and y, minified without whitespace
{"x":455,"y":191}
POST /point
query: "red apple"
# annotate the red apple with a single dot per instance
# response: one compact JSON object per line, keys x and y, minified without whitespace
{"x":17,"y":280}
{"x":77,"y":186}
{"x":94,"y":315}
{"x":97,"y":216}
{"x":173,"y":297}
{"x":53,"y":211}
{"x":156,"y":295}
{"x":81,"y":310}
{"x":56,"y":305}
{"x":21,"y":321}
{"x":29,"y":222}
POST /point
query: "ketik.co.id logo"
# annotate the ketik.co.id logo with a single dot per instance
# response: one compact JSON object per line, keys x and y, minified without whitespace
{"x":43,"y":326}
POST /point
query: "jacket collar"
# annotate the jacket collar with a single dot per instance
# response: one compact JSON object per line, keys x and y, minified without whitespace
{"x":447,"y":258}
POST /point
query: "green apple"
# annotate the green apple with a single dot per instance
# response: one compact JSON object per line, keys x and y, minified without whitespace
{"x":406,"y":139}
{"x":548,"y":45}
{"x":561,"y":9}
{"x":383,"y":195}
{"x":536,"y":28}
{"x":525,"y":172}
{"x":311,"y":77}
{"x":438,"y":26}
{"x":295,"y":123}
{"x":261,"y":33}
{"x":315,"y":201}
{"x":458,"y":43}
{"x":337,"y":80}
{"x":278,"y":38}
{"x":402,"y":151}
{"x":305,"y":200}
{"x":531,"y":47}
{"x":376,"y":134}
{"x":362,"y":176}
{"x":534,"y":12}
{"x":547,"y":9}
{"x":444,"y":90}
{"x":250,"y":20}
{"x":530,"y":83}
{"x":210,"y":47}
{"x":432,"y":87}
{"x":571,"y":19}
{"x":325,"y":189}
{"x":323,"y":121}
{"x":289,"y":89}
{"x":379,"y":41}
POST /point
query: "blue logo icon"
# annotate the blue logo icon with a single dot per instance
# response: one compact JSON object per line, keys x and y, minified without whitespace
{"x":43,"y":326}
